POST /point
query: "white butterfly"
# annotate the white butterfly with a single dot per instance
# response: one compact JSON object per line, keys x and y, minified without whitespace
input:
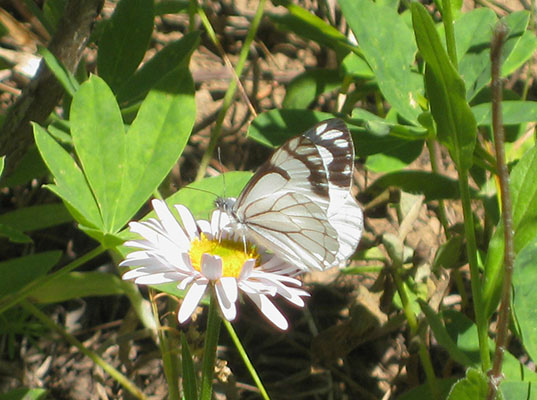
{"x":298,"y":204}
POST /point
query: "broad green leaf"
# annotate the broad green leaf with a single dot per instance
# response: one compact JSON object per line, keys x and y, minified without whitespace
{"x":356,"y":66}
{"x":397,"y":154}
{"x":80,"y":284}
{"x":174,"y":54}
{"x":473,"y":29}
{"x":445,"y":89}
{"x":525,"y":296}
{"x":310,"y":27}
{"x":69,"y":181}
{"x":513,"y":112}
{"x":36,"y":217}
{"x":432,"y":186}
{"x":272,"y":128}
{"x":518,"y":390}
{"x":18,"y":272}
{"x":473,"y":387}
{"x":156,"y":139}
{"x":200,"y":196}
{"x":124,"y":41}
{"x":309,"y":85}
{"x":442,"y":335}
{"x":524,"y":205}
{"x":389,"y":49}
{"x":522,"y":52}
{"x":99,"y":139}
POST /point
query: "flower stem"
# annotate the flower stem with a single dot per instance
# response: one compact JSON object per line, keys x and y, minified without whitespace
{"x":114,"y":373}
{"x":209,"y":350}
{"x":246,"y":360}
{"x":502,"y":329}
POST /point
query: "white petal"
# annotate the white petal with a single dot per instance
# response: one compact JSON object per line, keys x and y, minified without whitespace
{"x":227,"y":294}
{"x":247,"y":269}
{"x":188,"y":221}
{"x":191,"y":300}
{"x":271,"y":312}
{"x":211,"y":266}
{"x":170,"y":223}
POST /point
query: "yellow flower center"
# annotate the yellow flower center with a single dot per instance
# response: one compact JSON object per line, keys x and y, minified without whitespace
{"x":232,"y":254}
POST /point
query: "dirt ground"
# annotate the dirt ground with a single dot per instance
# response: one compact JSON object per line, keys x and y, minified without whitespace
{"x":350,"y":342}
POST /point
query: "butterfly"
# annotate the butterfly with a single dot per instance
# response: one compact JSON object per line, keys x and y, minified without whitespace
{"x":298,"y":204}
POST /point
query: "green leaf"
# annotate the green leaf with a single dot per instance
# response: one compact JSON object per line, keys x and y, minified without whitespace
{"x":442,"y":335}
{"x":199,"y":196}
{"x":124,"y":41}
{"x":70,"y":183}
{"x":67,"y":80}
{"x":171,"y":6}
{"x":518,"y":390}
{"x":30,"y":167}
{"x":79,"y":284}
{"x":423,"y":392}
{"x":311,"y":27}
{"x":14,"y":235}
{"x":473,"y":387}
{"x":156,"y":139}
{"x":470,"y":32}
{"x":174,"y":54}
{"x":99,"y":140}
{"x":189,"y":375}
{"x":36,"y":217}
{"x":525,"y":296}
{"x":18,"y":272}
{"x":25,"y":394}
{"x":513,"y":112}
{"x":389,"y":49}
{"x":356,"y":66}
{"x":2,"y":163}
{"x":445,"y":89}
{"x":432,"y":186}
{"x":272,"y":128}
{"x":397,"y":154}
{"x":309,"y":85}
{"x":524,"y":205}
{"x":522,"y":52}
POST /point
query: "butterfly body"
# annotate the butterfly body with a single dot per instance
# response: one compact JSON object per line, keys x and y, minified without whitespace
{"x":298,"y":204}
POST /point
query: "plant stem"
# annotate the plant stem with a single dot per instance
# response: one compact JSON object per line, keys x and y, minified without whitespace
{"x":475,"y":277}
{"x":168,"y":362}
{"x":230,"y":93}
{"x":502,"y":329}
{"x":26,"y":290}
{"x":209,"y":349}
{"x":246,"y":360}
{"x":114,"y":373}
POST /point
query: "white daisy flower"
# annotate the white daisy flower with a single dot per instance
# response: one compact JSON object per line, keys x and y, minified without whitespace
{"x":193,"y":256}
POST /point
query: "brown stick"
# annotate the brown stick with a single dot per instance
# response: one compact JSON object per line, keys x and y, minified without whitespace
{"x":502,"y":329}
{"x":44,"y":92}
